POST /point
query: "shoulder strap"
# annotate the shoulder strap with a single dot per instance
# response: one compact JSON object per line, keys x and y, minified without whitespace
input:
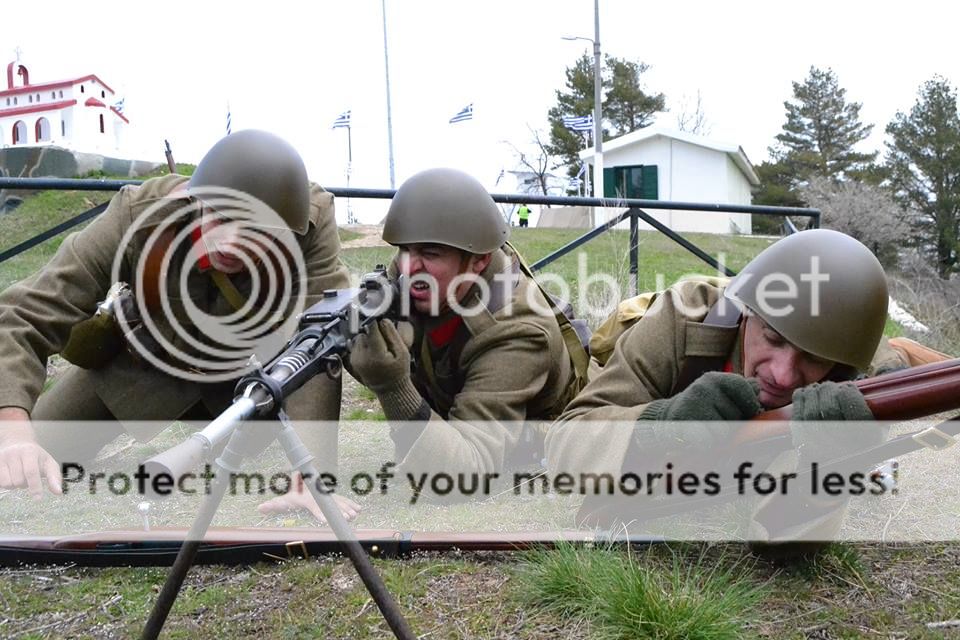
{"x":153,"y":272}
{"x":723,"y":314}
{"x":579,"y":357}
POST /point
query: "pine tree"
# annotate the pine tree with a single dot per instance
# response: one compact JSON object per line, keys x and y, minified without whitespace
{"x":821,"y":131}
{"x":923,"y":157}
{"x":626,"y":106}
{"x":577,"y":100}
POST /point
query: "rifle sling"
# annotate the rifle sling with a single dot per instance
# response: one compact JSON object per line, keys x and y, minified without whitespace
{"x":229,"y":291}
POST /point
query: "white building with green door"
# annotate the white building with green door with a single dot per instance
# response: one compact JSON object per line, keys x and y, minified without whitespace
{"x":662,"y":164}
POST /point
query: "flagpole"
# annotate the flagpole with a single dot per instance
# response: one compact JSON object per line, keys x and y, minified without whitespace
{"x":386,"y":63}
{"x":350,"y":218}
{"x":586,"y":174}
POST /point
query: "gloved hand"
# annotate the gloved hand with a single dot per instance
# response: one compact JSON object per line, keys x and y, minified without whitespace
{"x":379,"y":357}
{"x":830,"y":401}
{"x":712,"y":396}
{"x":381,"y":360}
{"x":816,"y":411}
{"x":703,"y":412}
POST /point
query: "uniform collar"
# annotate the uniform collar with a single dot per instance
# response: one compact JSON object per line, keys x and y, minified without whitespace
{"x":197,"y":245}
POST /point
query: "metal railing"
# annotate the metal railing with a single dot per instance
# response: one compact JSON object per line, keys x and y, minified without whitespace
{"x":635,"y":212}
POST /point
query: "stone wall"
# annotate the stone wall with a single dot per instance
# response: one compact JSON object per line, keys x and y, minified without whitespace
{"x":57,"y":162}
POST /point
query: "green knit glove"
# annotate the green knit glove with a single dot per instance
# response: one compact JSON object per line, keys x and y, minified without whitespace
{"x":381,"y":360}
{"x":703,"y":412}
{"x":830,"y":401}
{"x":713,"y":396}
{"x":816,"y":411}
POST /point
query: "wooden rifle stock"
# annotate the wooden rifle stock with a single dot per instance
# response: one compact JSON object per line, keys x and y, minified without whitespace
{"x":901,"y":395}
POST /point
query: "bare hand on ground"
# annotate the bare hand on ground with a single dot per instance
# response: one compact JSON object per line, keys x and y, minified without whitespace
{"x":300,"y":498}
{"x":23,"y":462}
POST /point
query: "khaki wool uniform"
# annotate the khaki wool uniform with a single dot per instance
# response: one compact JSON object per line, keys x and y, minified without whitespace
{"x":645,"y":366}
{"x":38,"y":314}
{"x":491,"y":372}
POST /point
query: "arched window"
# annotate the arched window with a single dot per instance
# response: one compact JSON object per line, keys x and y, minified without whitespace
{"x":61,"y":93}
{"x":82,"y":89}
{"x":102,"y":128}
{"x":103,"y":94}
{"x":20,"y":132}
{"x":42,"y":130}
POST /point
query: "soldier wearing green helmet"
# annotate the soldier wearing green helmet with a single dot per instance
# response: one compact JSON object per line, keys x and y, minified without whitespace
{"x":485,"y":370}
{"x":469,"y":391}
{"x":796,"y":325}
{"x":189,"y":230}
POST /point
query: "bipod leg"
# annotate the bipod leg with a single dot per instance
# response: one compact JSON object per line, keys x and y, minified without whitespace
{"x":228,"y":462}
{"x":302,"y":460}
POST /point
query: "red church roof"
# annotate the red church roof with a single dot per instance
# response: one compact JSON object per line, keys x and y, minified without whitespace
{"x":59,"y":84}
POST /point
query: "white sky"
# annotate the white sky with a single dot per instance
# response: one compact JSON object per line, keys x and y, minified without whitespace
{"x":293,"y":67}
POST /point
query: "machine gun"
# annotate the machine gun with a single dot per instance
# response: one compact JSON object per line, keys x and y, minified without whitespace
{"x":326,"y":332}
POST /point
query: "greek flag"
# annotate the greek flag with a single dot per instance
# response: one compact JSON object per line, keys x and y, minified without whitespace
{"x":118,"y":105}
{"x":229,"y":123}
{"x":583,"y":170}
{"x":578,"y":123}
{"x":464,"y":114}
{"x":343,"y":120}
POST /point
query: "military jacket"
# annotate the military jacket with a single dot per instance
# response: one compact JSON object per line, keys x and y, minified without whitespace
{"x":645,"y":366}
{"x":491,"y":372}
{"x":38,"y":313}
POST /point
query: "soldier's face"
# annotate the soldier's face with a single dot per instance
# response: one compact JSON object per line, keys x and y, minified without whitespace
{"x":222,"y":238}
{"x":433,"y":270}
{"x":780,"y":367}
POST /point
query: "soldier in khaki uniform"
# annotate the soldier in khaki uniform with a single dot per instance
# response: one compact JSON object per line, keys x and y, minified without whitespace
{"x":485,"y":370}
{"x":767,"y":358}
{"x":39,"y":314}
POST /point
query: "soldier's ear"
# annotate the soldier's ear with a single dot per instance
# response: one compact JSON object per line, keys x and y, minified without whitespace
{"x":480,"y":261}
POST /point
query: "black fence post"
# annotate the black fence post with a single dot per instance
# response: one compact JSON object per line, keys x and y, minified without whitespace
{"x":634,"y":242}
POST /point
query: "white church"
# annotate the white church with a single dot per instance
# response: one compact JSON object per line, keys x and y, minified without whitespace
{"x":79,"y":113}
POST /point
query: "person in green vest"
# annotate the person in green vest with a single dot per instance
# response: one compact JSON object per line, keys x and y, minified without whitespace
{"x":155,"y":365}
{"x":523,"y":215}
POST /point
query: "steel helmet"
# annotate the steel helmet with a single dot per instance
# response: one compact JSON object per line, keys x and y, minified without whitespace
{"x":445,"y":206}
{"x":822,"y":290}
{"x":264,"y":166}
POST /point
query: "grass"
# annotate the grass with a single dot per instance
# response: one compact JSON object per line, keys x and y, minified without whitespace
{"x":652,"y":593}
{"x":346,"y":235}
{"x":605,"y":593}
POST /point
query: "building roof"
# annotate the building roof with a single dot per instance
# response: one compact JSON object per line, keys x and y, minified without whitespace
{"x":59,"y":84}
{"x":735,"y":152}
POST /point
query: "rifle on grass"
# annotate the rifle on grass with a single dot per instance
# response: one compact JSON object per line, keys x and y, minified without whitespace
{"x":227,"y":546}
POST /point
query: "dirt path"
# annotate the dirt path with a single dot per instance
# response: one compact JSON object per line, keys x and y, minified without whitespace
{"x":371,"y":237}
